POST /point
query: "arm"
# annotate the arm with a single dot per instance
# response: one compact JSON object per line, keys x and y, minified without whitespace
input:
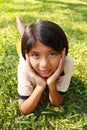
{"x":55,"y":97}
{"x":28,"y":105}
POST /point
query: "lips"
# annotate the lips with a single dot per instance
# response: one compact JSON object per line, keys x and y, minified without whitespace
{"x":45,"y":72}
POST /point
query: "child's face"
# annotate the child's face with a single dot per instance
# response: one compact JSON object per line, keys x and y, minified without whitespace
{"x":44,"y":60}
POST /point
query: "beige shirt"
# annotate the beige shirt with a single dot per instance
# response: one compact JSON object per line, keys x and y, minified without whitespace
{"x":25,"y":87}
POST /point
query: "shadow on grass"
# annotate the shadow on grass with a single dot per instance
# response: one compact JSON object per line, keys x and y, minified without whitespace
{"x":75,"y":102}
{"x":69,"y":5}
{"x":76,"y":98}
{"x":72,"y":110}
{"x":78,"y":8}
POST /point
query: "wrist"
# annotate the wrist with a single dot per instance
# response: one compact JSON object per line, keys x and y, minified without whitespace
{"x":40,"y":88}
{"x":52,"y":86}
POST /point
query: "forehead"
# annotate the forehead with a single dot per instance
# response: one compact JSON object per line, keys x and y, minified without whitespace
{"x":39,"y":46}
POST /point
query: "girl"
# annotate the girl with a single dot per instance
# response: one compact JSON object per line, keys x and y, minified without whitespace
{"x":43,"y":64}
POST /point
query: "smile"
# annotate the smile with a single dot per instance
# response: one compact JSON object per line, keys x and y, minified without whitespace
{"x":45,"y":71}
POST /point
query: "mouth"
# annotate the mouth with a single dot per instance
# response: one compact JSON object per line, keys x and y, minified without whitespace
{"x":45,"y":73}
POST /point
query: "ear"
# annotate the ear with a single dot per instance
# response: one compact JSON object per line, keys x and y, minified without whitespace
{"x":20,"y":26}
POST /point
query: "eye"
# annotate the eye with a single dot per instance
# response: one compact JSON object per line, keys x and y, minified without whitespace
{"x":35,"y":55}
{"x":53,"y":53}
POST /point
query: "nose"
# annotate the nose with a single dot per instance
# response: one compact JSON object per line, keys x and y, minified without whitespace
{"x":44,"y":63}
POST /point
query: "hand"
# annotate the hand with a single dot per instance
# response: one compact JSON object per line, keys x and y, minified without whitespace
{"x":35,"y":78}
{"x":51,"y":81}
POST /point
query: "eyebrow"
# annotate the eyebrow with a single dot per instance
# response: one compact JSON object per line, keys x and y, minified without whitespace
{"x":33,"y":51}
{"x":40,"y":50}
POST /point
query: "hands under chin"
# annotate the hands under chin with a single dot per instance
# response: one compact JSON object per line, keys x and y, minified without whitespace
{"x":50,"y":81}
{"x":36,"y":80}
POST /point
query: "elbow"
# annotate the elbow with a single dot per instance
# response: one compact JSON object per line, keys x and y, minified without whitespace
{"x":24,"y":113}
{"x":23,"y":110}
{"x":57,"y":103}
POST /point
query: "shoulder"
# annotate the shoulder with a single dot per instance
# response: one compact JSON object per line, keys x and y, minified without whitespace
{"x":21,"y":60}
{"x":22,"y":68}
{"x":22,"y":63}
{"x":25,"y":86}
{"x":64,"y":81}
{"x":68,"y":64}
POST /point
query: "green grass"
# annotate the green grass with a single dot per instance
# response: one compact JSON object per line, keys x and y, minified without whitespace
{"x":71,"y":15}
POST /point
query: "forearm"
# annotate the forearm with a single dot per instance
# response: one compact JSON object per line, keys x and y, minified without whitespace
{"x":54,"y":96}
{"x":30,"y":104}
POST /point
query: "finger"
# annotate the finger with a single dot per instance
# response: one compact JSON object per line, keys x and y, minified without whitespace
{"x":60,"y":67}
{"x":28,"y":63}
{"x":63,"y":55}
{"x":27,"y":57}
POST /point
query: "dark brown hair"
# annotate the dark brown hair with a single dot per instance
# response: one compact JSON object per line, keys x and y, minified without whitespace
{"x":46,"y":32}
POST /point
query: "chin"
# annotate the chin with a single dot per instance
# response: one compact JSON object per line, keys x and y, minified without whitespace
{"x":45,"y":75}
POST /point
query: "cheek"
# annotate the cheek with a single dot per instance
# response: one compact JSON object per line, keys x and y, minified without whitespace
{"x":56,"y":62}
{"x":33,"y":63}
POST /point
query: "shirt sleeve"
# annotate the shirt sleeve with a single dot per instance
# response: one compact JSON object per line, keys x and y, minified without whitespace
{"x":64,"y":81}
{"x":25,"y":87}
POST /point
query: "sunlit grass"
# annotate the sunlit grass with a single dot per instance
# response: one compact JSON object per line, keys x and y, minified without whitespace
{"x":72,"y":17}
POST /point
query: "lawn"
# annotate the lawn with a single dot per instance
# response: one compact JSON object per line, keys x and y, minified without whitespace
{"x":71,"y":15}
